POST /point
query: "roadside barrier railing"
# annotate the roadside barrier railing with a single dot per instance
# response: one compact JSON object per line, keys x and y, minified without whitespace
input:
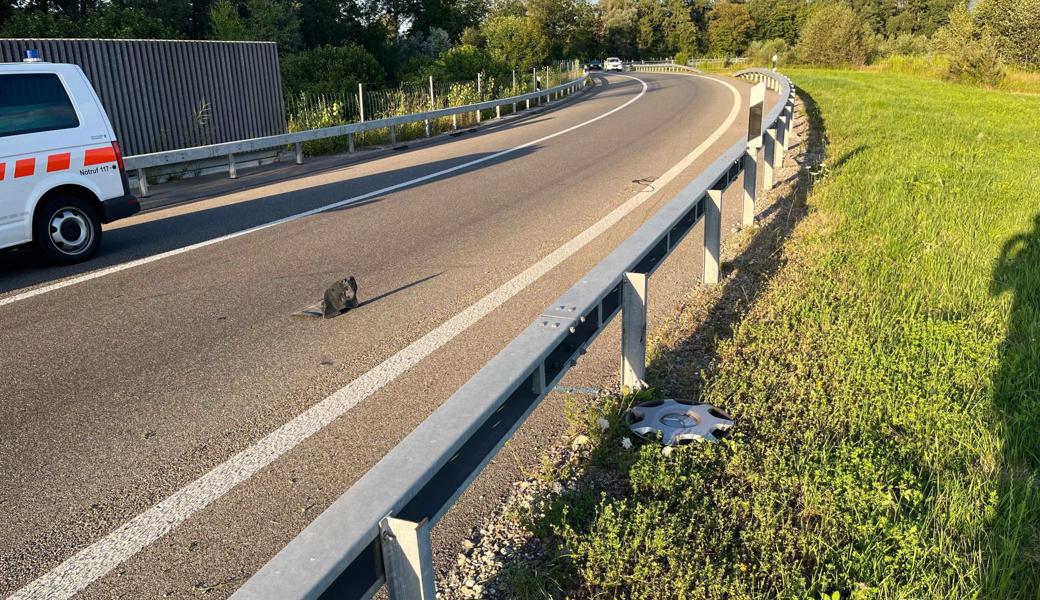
{"x":378,"y":531}
{"x":229,"y":150}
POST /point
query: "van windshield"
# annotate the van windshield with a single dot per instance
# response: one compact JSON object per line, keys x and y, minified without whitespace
{"x":33,"y":103}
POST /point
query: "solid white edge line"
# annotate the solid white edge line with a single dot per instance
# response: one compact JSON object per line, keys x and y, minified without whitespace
{"x":104,"y":555}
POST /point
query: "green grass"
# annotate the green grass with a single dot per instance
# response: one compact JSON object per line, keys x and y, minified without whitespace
{"x":886,"y":385}
{"x":936,"y":66}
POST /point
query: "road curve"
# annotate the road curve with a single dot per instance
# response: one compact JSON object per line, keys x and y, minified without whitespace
{"x":118,"y":391}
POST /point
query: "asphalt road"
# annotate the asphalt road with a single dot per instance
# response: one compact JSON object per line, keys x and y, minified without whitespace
{"x":120,"y":390}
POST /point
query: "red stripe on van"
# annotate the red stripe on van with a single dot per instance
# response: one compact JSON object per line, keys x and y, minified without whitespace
{"x":3,"y":170}
{"x":25,"y":167}
{"x":58,"y":162}
{"x":99,"y":156}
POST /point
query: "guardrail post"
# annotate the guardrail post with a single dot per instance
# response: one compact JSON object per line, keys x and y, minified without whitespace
{"x":778,"y":151}
{"x":407,"y":559}
{"x":534,"y":88}
{"x":790,"y":127}
{"x":633,"y":331}
{"x":350,"y":143}
{"x":298,"y":147}
{"x":232,"y":171}
{"x":393,"y":135}
{"x":768,"y":158}
{"x":142,"y":183}
{"x":712,"y":235}
{"x":454,"y":122}
{"x":514,"y":90}
{"x":750,"y":160}
{"x":498,"y":111}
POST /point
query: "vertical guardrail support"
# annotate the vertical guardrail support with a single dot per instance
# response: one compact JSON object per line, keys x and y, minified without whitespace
{"x":393,"y":135}
{"x":232,"y":170}
{"x":756,"y":102}
{"x":298,"y":148}
{"x":407,"y":559}
{"x":142,"y":183}
{"x":768,"y":174}
{"x":350,"y":143}
{"x":778,"y":150}
{"x":750,"y":168}
{"x":790,"y":127}
{"x":633,"y":331}
{"x":712,"y":236}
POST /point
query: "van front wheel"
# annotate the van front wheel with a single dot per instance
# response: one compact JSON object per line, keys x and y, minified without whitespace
{"x":67,"y":230}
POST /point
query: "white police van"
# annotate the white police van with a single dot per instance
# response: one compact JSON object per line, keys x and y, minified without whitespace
{"x":61,"y":170}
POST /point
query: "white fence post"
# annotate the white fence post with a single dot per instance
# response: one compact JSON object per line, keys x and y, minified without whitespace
{"x":361,"y":101}
{"x":514,"y":90}
{"x":427,"y":121}
{"x":633,"y":331}
{"x":480,"y":95}
{"x":712,"y":235}
{"x":298,"y":147}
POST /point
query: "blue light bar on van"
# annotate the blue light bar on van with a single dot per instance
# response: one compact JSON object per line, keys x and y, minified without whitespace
{"x":32,"y":55}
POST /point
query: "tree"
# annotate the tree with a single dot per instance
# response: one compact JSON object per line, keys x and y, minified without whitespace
{"x":835,"y":35}
{"x":1014,"y":26}
{"x":777,"y":19}
{"x":729,"y":28}
{"x":516,"y":42}
{"x":257,"y":20}
{"x":620,"y":25}
{"x":330,"y":70}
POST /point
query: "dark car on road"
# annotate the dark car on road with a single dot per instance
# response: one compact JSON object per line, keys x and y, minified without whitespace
{"x":594,"y":65}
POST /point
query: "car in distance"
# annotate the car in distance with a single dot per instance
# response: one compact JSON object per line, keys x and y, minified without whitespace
{"x":61,"y":169}
{"x":613,"y":64}
{"x":594,"y":65}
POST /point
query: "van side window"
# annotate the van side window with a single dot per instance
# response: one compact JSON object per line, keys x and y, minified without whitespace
{"x":34,"y":103}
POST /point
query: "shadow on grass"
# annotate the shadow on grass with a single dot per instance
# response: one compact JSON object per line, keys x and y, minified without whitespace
{"x":1013,"y":560}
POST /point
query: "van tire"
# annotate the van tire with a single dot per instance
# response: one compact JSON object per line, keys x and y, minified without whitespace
{"x":67,"y":229}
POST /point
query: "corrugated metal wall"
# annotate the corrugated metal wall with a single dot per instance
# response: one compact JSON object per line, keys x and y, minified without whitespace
{"x":165,"y":95}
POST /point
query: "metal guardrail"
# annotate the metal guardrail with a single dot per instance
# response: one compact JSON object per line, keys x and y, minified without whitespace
{"x":379,"y":530}
{"x":141,"y":162}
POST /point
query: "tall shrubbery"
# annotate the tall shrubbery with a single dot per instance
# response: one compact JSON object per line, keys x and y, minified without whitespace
{"x":835,"y":35}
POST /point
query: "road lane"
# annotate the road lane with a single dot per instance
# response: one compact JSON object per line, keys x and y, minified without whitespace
{"x":195,"y":356}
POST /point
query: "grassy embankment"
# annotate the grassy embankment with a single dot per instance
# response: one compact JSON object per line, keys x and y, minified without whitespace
{"x":885,"y":385}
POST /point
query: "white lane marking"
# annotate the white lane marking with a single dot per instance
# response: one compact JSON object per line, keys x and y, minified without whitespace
{"x":104,"y":555}
{"x":353,"y":200}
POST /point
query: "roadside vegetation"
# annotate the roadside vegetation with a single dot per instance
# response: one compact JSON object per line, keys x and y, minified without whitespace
{"x":885,"y":384}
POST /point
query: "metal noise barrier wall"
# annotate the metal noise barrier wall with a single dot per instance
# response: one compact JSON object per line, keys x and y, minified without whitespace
{"x":165,"y":95}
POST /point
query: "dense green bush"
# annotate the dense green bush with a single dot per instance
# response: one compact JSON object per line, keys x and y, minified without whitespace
{"x":904,"y":44}
{"x":463,"y":63}
{"x":761,"y":53}
{"x":681,"y":58}
{"x":835,"y":35}
{"x":516,"y":42}
{"x":977,"y":62}
{"x":331,"y":70}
